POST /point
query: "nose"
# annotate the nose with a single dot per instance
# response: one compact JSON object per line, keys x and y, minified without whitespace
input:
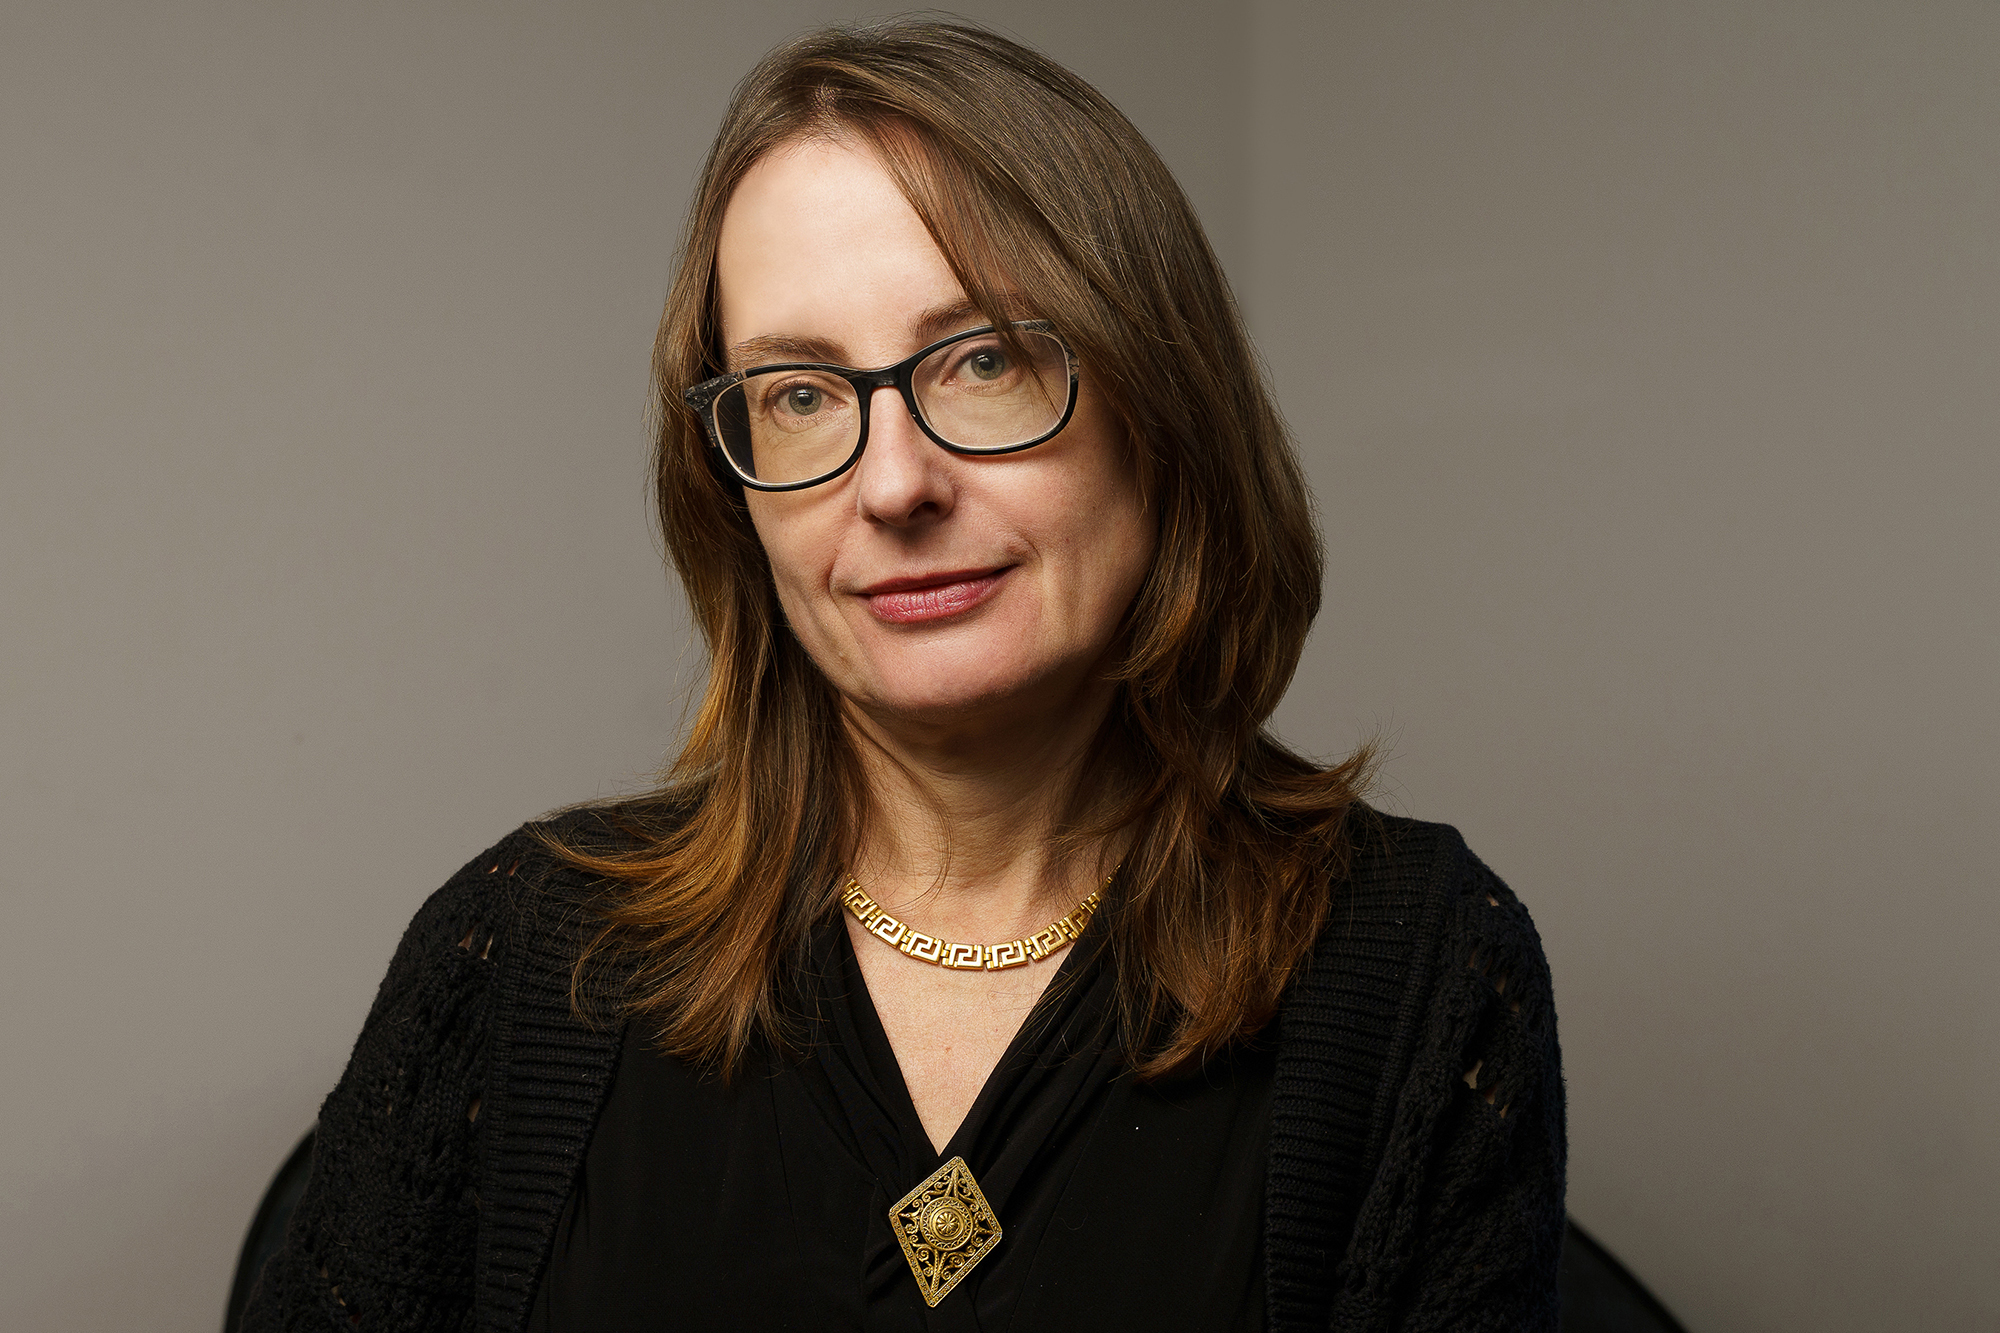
{"x":903,"y":479}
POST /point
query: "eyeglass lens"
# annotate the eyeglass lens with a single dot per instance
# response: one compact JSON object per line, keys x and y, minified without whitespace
{"x":978,"y":394}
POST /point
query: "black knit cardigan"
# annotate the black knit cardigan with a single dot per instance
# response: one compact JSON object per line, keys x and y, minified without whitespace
{"x":1415,"y":1178}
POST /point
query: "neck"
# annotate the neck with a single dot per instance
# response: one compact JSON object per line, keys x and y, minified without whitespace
{"x":963,"y":831}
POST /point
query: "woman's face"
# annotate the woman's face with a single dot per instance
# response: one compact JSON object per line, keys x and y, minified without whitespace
{"x":928,"y":586}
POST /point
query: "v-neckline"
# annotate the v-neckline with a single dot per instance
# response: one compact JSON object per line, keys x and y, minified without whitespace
{"x":1073,"y":973}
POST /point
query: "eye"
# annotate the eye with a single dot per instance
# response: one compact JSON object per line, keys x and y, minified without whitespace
{"x":988,"y":363}
{"x":802,"y":400}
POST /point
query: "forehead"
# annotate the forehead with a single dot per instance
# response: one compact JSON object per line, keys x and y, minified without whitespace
{"x":819,"y":244}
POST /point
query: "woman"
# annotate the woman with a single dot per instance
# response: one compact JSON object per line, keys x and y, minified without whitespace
{"x":981,"y":963}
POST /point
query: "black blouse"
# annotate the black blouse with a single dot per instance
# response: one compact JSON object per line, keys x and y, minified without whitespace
{"x":763,"y":1202}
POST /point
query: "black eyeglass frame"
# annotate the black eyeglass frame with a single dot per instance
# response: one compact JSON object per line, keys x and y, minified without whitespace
{"x":900,"y":377}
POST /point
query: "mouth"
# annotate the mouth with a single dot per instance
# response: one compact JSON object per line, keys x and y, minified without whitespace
{"x":926,"y":597}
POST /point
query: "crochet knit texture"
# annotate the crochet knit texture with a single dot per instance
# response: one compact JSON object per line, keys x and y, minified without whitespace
{"x":1415,"y":1180}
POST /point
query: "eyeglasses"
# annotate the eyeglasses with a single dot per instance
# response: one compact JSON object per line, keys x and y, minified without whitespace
{"x":786,"y":427}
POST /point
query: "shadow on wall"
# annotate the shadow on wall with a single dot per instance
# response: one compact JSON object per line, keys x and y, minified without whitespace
{"x":1599,"y":1294}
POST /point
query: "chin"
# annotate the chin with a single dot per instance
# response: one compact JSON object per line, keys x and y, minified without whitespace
{"x":945,"y":692}
{"x":944,"y":701}
{"x":1002,"y":672}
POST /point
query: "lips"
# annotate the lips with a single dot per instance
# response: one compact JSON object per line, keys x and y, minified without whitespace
{"x":925,"y":597}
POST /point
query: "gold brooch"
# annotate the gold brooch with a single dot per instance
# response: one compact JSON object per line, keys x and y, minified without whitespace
{"x":1052,"y":938}
{"x":946,"y":1228}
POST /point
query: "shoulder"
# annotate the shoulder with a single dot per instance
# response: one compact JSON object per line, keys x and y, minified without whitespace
{"x":1417,"y":885}
{"x":1460,"y":920}
{"x":1414,"y":895}
{"x":476,"y":903}
{"x":512,"y":884}
{"x":518,"y":906}
{"x":1422,"y":944}
{"x":1410,"y":863}
{"x":460,"y":940}
{"x":1399,"y":890}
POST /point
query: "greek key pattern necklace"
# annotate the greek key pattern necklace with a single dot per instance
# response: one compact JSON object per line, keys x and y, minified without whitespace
{"x":1051,"y":938}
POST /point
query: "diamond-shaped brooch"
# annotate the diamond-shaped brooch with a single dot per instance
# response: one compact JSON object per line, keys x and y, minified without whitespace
{"x":946,"y":1228}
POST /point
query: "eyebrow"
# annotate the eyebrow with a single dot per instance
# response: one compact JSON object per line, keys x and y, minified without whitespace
{"x":929,"y":326}
{"x":771,"y":348}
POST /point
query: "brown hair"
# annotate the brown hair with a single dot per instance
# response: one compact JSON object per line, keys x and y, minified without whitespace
{"x":1030,"y":181}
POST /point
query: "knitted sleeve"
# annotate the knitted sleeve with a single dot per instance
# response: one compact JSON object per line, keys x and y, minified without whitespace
{"x":1462,"y":1227}
{"x":384,"y":1235}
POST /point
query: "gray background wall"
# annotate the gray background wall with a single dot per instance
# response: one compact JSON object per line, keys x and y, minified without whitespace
{"x":1644,"y":358}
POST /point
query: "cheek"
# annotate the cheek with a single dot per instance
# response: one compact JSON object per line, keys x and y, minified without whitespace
{"x":1117,"y":518}
{"x":1134,"y":546}
{"x":796,"y":549}
{"x":1110,"y":534}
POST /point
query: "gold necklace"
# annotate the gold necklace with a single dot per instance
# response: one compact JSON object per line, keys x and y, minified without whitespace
{"x":1051,"y":938}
